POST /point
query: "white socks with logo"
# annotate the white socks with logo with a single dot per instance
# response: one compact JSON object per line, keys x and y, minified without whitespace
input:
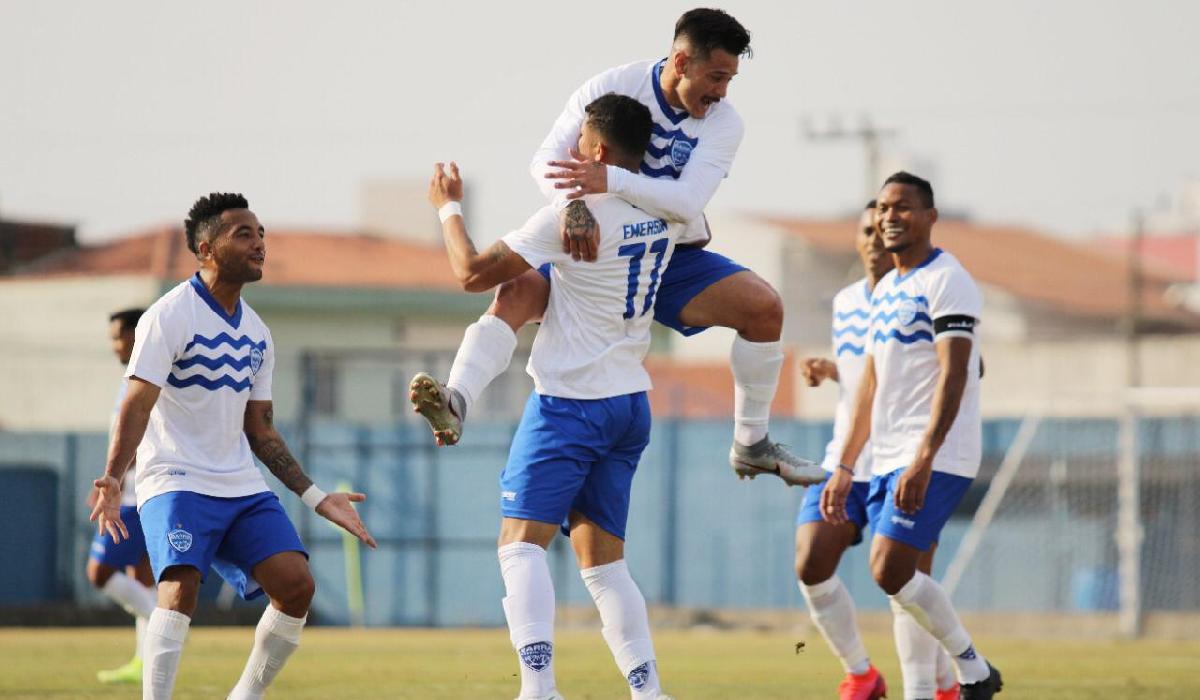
{"x":485,"y":352}
{"x":832,"y":611}
{"x":931,"y":608}
{"x":529,"y":609}
{"x":275,"y":638}
{"x":165,"y":634}
{"x":625,"y":625}
{"x":756,"y":368}
{"x":137,"y":600}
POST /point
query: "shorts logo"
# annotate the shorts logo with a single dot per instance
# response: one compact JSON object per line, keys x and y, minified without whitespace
{"x":681,"y":152}
{"x":537,"y":656}
{"x":903,"y":522}
{"x":508,"y":495}
{"x":256,"y":359}
{"x":181,"y":540}
{"x":639,"y":676}
{"x":906,"y":313}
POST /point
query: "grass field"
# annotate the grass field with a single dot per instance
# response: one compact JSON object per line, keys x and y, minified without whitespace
{"x":340,"y":663}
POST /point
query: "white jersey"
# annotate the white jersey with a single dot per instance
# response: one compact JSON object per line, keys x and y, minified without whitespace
{"x":208,"y":364}
{"x":933,"y":301}
{"x":665,"y":187}
{"x":596,"y":328}
{"x":851,"y":316}
{"x":128,"y":494}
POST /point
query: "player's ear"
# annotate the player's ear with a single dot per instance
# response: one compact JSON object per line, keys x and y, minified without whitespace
{"x":933,"y":215}
{"x":601,"y":153}
{"x":679,"y":61}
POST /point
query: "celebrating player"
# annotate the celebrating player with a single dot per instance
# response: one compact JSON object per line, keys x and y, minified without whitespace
{"x":585,"y":425}
{"x":696,"y":135}
{"x":918,"y":402}
{"x":121,"y":570}
{"x":199,"y":392}
{"x":820,"y":544}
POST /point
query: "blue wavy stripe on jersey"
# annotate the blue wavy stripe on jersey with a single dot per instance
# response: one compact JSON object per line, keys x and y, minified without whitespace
{"x":850,"y":348}
{"x":211,"y":384}
{"x":857,"y":331}
{"x":665,"y":171}
{"x":215,"y":342}
{"x":214,"y":362}
{"x":889,"y":316}
{"x":656,"y":152}
{"x":897,"y":335}
{"x":847,"y":315}
{"x":672,"y":134}
{"x":899,"y":295}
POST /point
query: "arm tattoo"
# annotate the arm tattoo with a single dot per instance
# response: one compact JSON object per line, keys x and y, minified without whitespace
{"x":498,"y":252}
{"x":578,"y":221}
{"x":271,"y":450}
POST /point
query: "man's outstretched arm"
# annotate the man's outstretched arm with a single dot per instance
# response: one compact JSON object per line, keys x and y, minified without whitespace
{"x":132,"y":419}
{"x":267,"y":444}
{"x":476,"y":272}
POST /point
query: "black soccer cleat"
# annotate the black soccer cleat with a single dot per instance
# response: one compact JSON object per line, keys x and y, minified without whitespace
{"x":984,"y":689}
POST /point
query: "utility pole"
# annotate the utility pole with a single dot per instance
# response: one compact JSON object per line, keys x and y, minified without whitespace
{"x":1129,"y":533}
{"x":870,"y":136}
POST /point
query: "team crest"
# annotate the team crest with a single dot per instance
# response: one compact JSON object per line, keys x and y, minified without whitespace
{"x":681,"y":152}
{"x":906,"y":313}
{"x":256,"y":359}
{"x":181,"y":540}
{"x":537,"y":655}
{"x":639,"y":676}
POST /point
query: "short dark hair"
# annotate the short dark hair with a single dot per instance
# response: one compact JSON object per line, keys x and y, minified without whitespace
{"x":206,"y":213}
{"x":127,"y":317}
{"x":707,"y":29}
{"x":922,"y":185}
{"x":870,"y":205}
{"x":623,"y":122}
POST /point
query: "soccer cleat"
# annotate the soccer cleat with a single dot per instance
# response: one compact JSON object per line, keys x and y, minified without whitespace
{"x":766,"y":457}
{"x":440,"y":405}
{"x":950,"y":693}
{"x":129,"y":673}
{"x":865,"y":686}
{"x":984,"y":689}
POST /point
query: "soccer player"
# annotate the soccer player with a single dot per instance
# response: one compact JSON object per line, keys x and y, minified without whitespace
{"x":587,"y":421}
{"x":696,"y":135}
{"x":820,"y":544}
{"x":121,"y":570}
{"x":918,"y":402}
{"x":199,"y":404}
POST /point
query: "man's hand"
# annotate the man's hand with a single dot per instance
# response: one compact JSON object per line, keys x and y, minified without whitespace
{"x":833,"y":497}
{"x":107,"y":511}
{"x":580,"y":232}
{"x":912,"y":485}
{"x":817,"y":370}
{"x":580,"y":175}
{"x":337,"y":509}
{"x":445,"y":188}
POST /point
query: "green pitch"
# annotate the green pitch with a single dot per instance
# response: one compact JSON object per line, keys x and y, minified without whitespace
{"x":474,"y":664}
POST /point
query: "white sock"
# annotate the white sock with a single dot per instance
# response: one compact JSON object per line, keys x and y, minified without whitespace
{"x":275,"y":638}
{"x":756,"y":369}
{"x":139,"y":628}
{"x":529,"y":609}
{"x":485,"y":352}
{"x":929,"y":605}
{"x":918,"y":652}
{"x":130,"y":594}
{"x":946,"y":678}
{"x":625,"y":625}
{"x":832,"y":611}
{"x":165,"y":634}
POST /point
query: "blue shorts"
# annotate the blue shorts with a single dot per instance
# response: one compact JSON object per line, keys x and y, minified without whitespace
{"x":126,"y":552}
{"x":575,"y":455}
{"x":921,"y":529}
{"x":856,"y":506}
{"x":691,"y":271}
{"x":232,"y":535}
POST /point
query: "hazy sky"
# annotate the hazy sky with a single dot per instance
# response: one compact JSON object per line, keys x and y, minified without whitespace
{"x":116,"y":115}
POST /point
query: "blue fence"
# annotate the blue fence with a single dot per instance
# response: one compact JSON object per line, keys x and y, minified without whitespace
{"x":697,"y":537}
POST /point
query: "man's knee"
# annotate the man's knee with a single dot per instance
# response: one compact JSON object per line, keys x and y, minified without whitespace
{"x":179,"y":588}
{"x":757,"y":309}
{"x":521,"y":300}
{"x":98,"y":574}
{"x":296,"y":591}
{"x":891,"y":572}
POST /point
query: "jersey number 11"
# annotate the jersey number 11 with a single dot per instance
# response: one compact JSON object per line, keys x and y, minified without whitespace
{"x":635,"y":252}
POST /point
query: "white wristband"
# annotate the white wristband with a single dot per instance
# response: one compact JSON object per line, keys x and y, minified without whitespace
{"x":313,"y":496}
{"x":449,"y":209}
